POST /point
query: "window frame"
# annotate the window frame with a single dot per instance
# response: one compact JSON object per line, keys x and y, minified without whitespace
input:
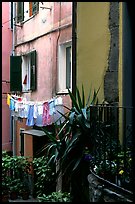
{"x":20,"y":66}
{"x":32,"y":10}
{"x":27,"y":66}
{"x":20,"y":12}
{"x":61,"y":73}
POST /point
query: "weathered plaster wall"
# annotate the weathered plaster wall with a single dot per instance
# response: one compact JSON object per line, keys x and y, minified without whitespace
{"x":93,"y":44}
{"x":6,"y":52}
{"x":44,"y":33}
{"x":111,"y":75}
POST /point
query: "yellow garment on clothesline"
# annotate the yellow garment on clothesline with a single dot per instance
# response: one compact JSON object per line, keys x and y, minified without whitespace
{"x":8,"y":99}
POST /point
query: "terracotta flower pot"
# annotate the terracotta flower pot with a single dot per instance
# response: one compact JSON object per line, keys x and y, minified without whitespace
{"x":25,"y":195}
{"x":13,"y":195}
{"x":5,"y":198}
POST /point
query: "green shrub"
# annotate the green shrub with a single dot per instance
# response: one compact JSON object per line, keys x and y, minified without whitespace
{"x":44,"y":176}
{"x":55,"y":197}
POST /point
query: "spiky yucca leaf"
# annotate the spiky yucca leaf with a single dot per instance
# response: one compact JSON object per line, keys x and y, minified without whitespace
{"x":78,"y":98}
{"x":83,"y":97}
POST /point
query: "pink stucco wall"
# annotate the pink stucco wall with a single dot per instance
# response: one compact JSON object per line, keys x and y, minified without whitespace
{"x":6,"y":51}
{"x":42,"y":33}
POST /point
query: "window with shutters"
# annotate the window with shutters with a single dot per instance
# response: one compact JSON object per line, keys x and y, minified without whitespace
{"x":33,"y":8}
{"x":15,"y":73}
{"x":64,"y":67}
{"x":29,"y":71}
{"x":11,"y":15}
{"x":20,"y":11}
{"x":26,"y":9}
{"x":23,"y":72}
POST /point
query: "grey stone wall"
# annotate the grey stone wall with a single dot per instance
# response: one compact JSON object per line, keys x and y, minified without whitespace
{"x":101,"y":190}
{"x":111,"y":76}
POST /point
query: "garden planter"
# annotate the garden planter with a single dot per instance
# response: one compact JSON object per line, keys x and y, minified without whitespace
{"x":5,"y":198}
{"x":13,"y":195}
{"x":101,"y":190}
{"x":25,"y":195}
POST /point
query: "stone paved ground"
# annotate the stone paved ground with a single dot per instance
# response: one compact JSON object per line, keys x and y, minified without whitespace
{"x":21,"y":200}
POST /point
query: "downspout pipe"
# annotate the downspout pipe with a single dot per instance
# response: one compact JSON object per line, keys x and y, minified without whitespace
{"x":13,"y":36}
{"x":74,"y":43}
{"x":13,"y":54}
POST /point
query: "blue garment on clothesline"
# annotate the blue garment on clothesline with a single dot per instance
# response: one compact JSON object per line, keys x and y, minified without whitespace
{"x":30,"y":119}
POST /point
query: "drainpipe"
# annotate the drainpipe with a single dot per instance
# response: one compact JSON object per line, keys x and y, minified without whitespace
{"x":13,"y":36}
{"x":13,"y":53}
{"x":74,"y":45}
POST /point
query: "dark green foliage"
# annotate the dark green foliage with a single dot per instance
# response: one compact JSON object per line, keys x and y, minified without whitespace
{"x":55,"y":197}
{"x":71,"y":140}
{"x":44,"y":176}
{"x":15,"y":171}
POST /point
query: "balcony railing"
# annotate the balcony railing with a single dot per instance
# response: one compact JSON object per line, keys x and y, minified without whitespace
{"x":113,"y":144}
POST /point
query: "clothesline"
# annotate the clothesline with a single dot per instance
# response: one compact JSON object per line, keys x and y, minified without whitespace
{"x":23,"y":100}
{"x":40,"y":113}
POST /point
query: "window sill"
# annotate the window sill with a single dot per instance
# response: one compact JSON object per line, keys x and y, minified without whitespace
{"x":63,"y":92}
{"x":26,"y":91}
{"x":24,"y":21}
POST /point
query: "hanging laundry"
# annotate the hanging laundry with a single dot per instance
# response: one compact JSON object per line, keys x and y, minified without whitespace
{"x":8,"y":99}
{"x":39,"y":121}
{"x":51,"y":107}
{"x":40,"y":109}
{"x":46,"y":117}
{"x":30,"y":119}
{"x":58,"y":118}
{"x":35,"y":113}
{"x":23,"y":110}
{"x":19,"y":99}
{"x":16,"y":106}
{"x":12,"y":104}
{"x":58,"y":101}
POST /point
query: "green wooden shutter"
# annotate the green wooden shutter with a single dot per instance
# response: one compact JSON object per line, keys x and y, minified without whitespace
{"x":11,"y":15}
{"x":33,"y":71}
{"x":15,"y":73}
{"x":20,"y":11}
{"x":35,"y":7}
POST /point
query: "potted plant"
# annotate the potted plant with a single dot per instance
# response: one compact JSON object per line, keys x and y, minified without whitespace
{"x":44,"y":176}
{"x":5,"y":192}
{"x":15,"y":186}
{"x":6,"y":161}
{"x":25,"y":191}
{"x":55,"y":197}
{"x":71,"y":140}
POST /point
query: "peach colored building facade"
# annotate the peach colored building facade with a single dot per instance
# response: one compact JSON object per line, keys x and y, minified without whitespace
{"x":6,"y":52}
{"x":48,"y":32}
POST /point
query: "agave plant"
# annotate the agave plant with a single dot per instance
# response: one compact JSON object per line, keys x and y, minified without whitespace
{"x":72,"y":138}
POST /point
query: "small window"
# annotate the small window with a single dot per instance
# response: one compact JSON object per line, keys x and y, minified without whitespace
{"x":33,"y":8}
{"x":20,"y":11}
{"x":23,"y":72}
{"x":64,"y":67}
{"x":29,"y":71}
{"x":26,"y":9}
